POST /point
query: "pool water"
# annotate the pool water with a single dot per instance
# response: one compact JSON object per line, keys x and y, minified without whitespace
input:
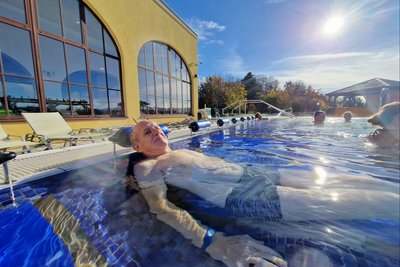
{"x":88,"y":216}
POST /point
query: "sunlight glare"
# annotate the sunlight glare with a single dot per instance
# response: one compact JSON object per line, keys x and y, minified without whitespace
{"x":333,"y":25}
{"x":334,"y":196}
{"x":321,"y":175}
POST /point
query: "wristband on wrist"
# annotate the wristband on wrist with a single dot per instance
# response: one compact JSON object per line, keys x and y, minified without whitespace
{"x":207,"y":239}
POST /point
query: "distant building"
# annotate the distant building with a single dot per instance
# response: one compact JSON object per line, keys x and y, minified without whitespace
{"x":370,"y":90}
{"x":97,"y":62}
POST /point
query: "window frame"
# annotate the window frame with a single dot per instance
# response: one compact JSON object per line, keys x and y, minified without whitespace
{"x":172,"y":81}
{"x":32,"y":26}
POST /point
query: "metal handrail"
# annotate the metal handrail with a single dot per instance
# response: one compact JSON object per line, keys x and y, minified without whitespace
{"x":238,"y":103}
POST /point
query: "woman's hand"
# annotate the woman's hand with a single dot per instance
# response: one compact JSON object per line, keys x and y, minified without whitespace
{"x":243,"y":250}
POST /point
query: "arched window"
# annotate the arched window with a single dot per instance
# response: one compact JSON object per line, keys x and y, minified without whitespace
{"x":57,"y":56}
{"x":164,"y":81}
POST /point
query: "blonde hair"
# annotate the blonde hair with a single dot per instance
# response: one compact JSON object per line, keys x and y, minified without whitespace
{"x":386,"y":114}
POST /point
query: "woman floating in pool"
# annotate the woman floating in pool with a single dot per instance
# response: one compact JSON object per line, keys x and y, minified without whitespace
{"x":225,"y":185}
{"x":388,"y":118}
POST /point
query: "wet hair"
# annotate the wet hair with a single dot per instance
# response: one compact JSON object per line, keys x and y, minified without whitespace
{"x":134,"y":159}
{"x":386,"y":114}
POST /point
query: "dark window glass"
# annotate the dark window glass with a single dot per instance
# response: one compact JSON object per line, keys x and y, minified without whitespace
{"x":158,"y":57}
{"x":57,"y":97}
{"x":152,"y":104}
{"x":184,"y":93}
{"x":56,"y":91}
{"x":80,"y":100}
{"x":189,"y":107}
{"x":165,"y":59}
{"x":49,"y":16}
{"x":115,"y":102}
{"x":13,"y":9}
{"x":189,"y":96}
{"x":185,"y":75}
{"x":113,"y":73}
{"x":179,"y":90}
{"x":3,"y":111}
{"x":150,"y":83}
{"x":143,"y":104}
{"x":71,"y":20}
{"x":179,"y":106}
{"x":174,"y":105}
{"x":159,"y":85}
{"x":100,"y":102}
{"x":21,"y":95}
{"x":109,"y":45}
{"x":141,"y":57}
{"x":16,"y":51}
{"x":160,"y":105}
{"x":65,"y":66}
{"x":76,"y":65}
{"x":97,"y":70}
{"x":53,"y":63}
{"x":172,"y":63}
{"x":173,"y":88}
{"x":167,"y":106}
{"x":149,"y":55}
{"x":166,"y":86}
{"x":94,"y":31}
{"x":178,"y":65}
{"x":142,"y":82}
{"x":163,"y":92}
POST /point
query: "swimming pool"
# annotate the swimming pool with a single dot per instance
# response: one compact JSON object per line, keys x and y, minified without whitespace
{"x":88,"y":215}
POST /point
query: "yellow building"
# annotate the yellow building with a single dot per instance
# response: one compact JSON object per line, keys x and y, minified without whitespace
{"x":99,"y":63}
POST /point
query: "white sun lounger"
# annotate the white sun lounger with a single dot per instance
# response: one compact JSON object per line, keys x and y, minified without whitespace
{"x":18,"y":146}
{"x":50,"y":126}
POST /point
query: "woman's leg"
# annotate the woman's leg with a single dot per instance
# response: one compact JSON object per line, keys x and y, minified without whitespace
{"x":319,"y":178}
{"x":336,"y":204}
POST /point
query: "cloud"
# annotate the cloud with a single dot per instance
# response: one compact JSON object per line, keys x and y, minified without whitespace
{"x":232,"y":63}
{"x":274,"y":1}
{"x":206,"y":30}
{"x":318,"y":57}
{"x":330,"y":72}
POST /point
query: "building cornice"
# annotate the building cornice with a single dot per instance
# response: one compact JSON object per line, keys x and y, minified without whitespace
{"x":174,"y":16}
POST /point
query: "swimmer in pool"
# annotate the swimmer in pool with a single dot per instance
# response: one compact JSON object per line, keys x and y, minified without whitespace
{"x":224,"y":184}
{"x":319,"y":117}
{"x":388,"y":117}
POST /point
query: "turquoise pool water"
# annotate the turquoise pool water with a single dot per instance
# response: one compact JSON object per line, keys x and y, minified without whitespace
{"x":88,"y":215}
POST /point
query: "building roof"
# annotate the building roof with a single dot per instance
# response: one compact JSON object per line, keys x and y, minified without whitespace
{"x":370,"y":87}
{"x":175,"y":16}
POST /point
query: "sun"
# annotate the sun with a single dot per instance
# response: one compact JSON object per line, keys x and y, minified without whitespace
{"x":333,"y":25}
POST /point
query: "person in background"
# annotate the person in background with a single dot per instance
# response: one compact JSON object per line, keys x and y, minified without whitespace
{"x":319,"y":117}
{"x":384,"y":97}
{"x":347,"y":115}
{"x":271,"y":196}
{"x":388,"y":117}
{"x":258,"y":116}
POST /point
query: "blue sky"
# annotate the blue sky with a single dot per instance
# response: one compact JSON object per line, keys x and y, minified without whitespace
{"x":290,"y":39}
